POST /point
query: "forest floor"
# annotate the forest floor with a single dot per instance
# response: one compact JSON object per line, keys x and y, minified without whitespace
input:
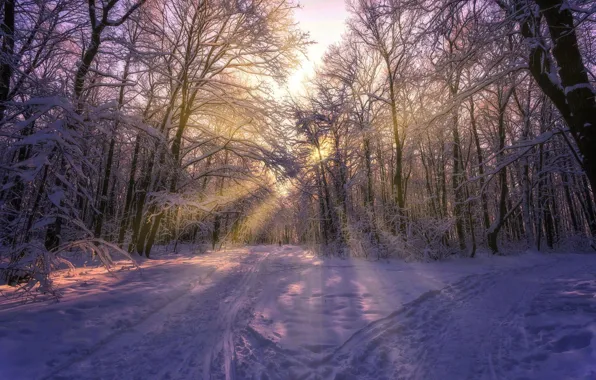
{"x":281,"y":313}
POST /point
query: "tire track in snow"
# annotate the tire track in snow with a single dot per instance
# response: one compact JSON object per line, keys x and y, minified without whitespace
{"x":449,"y":333}
{"x":226,"y":345}
{"x":422,"y":334}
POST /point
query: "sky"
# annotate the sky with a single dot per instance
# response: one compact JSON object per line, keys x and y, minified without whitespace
{"x":325,"y":21}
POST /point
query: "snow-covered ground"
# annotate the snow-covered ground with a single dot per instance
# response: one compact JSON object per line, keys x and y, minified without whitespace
{"x":281,"y":313}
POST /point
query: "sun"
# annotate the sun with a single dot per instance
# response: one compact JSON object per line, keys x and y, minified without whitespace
{"x":321,"y":153}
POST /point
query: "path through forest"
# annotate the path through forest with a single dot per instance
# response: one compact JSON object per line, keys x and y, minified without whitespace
{"x":281,"y":313}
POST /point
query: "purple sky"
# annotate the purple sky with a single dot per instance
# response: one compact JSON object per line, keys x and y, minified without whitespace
{"x":325,"y":21}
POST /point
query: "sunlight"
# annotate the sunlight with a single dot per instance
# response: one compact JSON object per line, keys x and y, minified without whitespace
{"x":260,"y":216}
{"x":321,"y":153}
{"x":342,"y":175}
{"x":232,"y":193}
{"x":367,"y":280}
{"x":283,"y":188}
{"x":325,"y":23}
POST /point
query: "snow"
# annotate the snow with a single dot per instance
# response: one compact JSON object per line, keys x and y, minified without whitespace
{"x":56,"y":197}
{"x":282,"y":313}
{"x":318,"y":293}
{"x":578,"y":86}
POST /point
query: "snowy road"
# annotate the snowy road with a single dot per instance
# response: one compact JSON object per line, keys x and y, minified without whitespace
{"x":174,"y":322}
{"x":189,"y":338}
{"x":280,"y":313}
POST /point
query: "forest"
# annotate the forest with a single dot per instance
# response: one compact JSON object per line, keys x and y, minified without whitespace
{"x":433,"y":128}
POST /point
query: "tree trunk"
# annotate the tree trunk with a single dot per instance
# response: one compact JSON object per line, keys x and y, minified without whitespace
{"x":480,"y":161}
{"x":103,"y":197}
{"x":493,"y":232}
{"x":7,"y":52}
{"x":457,"y":183}
{"x":129,"y":192}
{"x":575,"y":96}
{"x":397,"y":174}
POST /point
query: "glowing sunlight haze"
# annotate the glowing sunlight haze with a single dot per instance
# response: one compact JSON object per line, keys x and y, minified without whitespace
{"x":325,"y":21}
